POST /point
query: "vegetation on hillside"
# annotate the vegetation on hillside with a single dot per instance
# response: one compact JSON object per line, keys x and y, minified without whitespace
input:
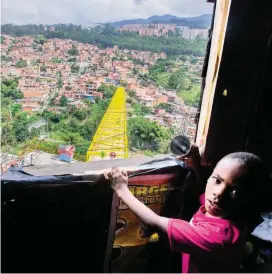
{"x":178,"y":80}
{"x":146,"y":135}
{"x":108,"y":36}
{"x":73,"y":126}
{"x":21,"y":64}
{"x":9,"y":90}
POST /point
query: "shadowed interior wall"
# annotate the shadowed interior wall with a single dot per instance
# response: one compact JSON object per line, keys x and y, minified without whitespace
{"x":242,"y":119}
{"x":52,"y":228}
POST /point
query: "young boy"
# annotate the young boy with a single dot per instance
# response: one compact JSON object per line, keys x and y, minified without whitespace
{"x":214,"y":239}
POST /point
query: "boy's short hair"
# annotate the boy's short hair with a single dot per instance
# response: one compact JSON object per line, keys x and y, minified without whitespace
{"x":256,"y":177}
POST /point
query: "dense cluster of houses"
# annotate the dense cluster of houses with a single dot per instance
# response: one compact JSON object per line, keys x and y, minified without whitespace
{"x":49,"y":72}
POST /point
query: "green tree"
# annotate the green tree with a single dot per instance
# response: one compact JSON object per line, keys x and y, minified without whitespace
{"x":20,"y":127}
{"x":43,"y":68}
{"x":53,"y":117}
{"x":140,"y":110}
{"x":131,"y":93}
{"x":9,"y":89}
{"x":35,"y":132}
{"x":81,"y":114}
{"x":56,"y":60}
{"x":7,"y":135}
{"x":146,"y":135}
{"x":173,"y":81}
{"x":5,"y":58}
{"x":108,"y":91}
{"x":74,"y":68}
{"x":73,"y":50}
{"x":52,"y":100}
{"x":193,"y":60}
{"x":72,"y":110}
{"x":183,"y":58}
{"x":72,"y":138}
{"x":72,"y":59}
{"x":73,"y":124}
{"x":15,"y":108}
{"x":83,"y":71}
{"x":171,"y":33}
{"x":59,"y":81}
{"x":108,"y":29}
{"x":179,"y":80}
{"x":21,"y":64}
{"x":184,"y":83}
{"x":135,"y":71}
{"x":5,"y":101}
{"x":35,"y":62}
{"x":39,"y":39}
{"x":164,"y":106}
{"x":63,"y":101}
{"x":161,"y":66}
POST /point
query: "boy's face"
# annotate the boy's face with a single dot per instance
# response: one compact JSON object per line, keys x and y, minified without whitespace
{"x":224,"y":193}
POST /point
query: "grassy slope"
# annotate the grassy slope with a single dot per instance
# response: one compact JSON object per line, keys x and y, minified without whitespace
{"x":163,"y":79}
{"x":191,"y":97}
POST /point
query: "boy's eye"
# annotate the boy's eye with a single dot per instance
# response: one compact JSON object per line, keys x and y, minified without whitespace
{"x":216,"y":180}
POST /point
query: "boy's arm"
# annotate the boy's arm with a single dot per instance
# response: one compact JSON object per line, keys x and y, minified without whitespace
{"x":119,"y":181}
{"x":146,"y":215}
{"x":183,"y":237}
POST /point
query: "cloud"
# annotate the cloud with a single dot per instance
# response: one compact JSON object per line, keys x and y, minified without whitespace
{"x":96,"y":11}
{"x":139,"y":2}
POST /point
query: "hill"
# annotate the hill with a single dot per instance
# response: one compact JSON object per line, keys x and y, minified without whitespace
{"x":199,"y":22}
{"x":109,"y":37}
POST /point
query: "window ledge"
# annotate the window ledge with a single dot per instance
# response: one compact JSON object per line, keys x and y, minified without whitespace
{"x":97,"y":167}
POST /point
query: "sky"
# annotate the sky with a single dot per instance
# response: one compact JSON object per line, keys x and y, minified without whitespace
{"x":95,"y":11}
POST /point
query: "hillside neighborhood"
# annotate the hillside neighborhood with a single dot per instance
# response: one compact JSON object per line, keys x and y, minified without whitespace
{"x":48,"y":73}
{"x":59,"y":75}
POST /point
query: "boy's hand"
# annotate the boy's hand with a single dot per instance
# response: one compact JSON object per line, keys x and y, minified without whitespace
{"x":118,"y":178}
{"x":119,"y":182}
{"x":193,"y":159}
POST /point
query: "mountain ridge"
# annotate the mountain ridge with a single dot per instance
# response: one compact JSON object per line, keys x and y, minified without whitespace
{"x":201,"y":22}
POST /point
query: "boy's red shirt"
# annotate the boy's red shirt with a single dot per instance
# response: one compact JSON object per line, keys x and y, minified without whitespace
{"x":207,"y":244}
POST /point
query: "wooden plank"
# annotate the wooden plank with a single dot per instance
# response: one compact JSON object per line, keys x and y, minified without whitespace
{"x":218,"y":36}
